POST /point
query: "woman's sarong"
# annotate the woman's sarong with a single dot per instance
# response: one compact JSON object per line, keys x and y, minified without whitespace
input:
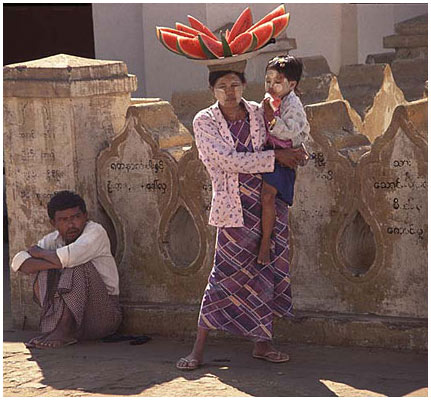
{"x":81,"y":289}
{"x":242,"y":296}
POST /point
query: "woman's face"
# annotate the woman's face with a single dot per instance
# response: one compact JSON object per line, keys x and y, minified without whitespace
{"x":228,"y":90}
{"x":276,"y":84}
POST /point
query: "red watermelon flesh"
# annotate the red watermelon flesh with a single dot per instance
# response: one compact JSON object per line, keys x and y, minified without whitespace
{"x":263,"y":34}
{"x":169,"y":40}
{"x":242,"y":43}
{"x":191,"y":47}
{"x":227,"y":35}
{"x":175,"y":31}
{"x":280,"y":10}
{"x":215,"y":47}
{"x":280,"y":24}
{"x":198,"y":25}
{"x":244,"y":21}
{"x":184,"y":28}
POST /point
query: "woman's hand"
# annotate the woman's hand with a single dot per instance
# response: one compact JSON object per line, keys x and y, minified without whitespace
{"x":290,"y":157}
{"x":267,"y":109}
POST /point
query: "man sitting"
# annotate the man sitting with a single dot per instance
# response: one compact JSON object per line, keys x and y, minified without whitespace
{"x":76,"y":278}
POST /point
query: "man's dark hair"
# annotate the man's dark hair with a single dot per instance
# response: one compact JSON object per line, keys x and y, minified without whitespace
{"x":64,"y":200}
{"x":214,"y":75}
{"x":290,"y":66}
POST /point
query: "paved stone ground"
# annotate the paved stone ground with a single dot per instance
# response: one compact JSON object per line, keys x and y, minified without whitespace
{"x":119,"y":369}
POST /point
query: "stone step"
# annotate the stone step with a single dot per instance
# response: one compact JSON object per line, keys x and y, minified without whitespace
{"x":316,"y":65}
{"x":412,"y":52}
{"x":333,"y":329}
{"x":380,"y":58}
{"x":403,"y":41}
{"x":361,"y":75}
{"x":414,"y":26}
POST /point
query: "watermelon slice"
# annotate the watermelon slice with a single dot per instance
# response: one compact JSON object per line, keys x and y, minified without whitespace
{"x":242,"y":43}
{"x":244,"y":21}
{"x":169,"y":40}
{"x":263,"y":34}
{"x":227,"y":52}
{"x":170,"y":30}
{"x":212,"y":48}
{"x":280,"y":10}
{"x":198,"y":25}
{"x":184,"y":28}
{"x":190,"y":47}
{"x":280,"y":24}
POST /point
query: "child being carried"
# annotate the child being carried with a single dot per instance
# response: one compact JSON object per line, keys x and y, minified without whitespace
{"x":287,"y":127}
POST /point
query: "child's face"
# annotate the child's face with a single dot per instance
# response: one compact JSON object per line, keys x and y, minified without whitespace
{"x":276,"y":84}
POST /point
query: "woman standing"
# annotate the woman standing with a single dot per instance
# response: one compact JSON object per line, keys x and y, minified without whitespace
{"x":242,"y":296}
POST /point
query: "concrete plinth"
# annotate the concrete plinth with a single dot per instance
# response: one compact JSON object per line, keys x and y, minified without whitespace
{"x":59,"y":112}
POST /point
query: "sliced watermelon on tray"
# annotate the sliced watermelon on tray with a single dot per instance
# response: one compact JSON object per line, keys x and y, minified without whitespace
{"x":263,"y":34}
{"x":198,"y":42}
{"x":280,"y":10}
{"x":170,"y":30}
{"x":280,"y":24}
{"x":244,"y":21}
{"x":191,"y":48}
{"x":184,"y":28}
{"x":212,"y":48}
{"x":198,"y":25}
{"x":243,"y":43}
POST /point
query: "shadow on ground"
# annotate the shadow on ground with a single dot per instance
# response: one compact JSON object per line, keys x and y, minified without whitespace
{"x":120,"y":369}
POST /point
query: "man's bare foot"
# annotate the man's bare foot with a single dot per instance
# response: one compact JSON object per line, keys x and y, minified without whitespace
{"x":54,"y":344}
{"x":264,"y":252}
{"x":189,"y":363}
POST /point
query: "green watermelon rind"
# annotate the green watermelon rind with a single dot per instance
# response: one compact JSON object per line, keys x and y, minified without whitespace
{"x":227,"y":52}
{"x":187,"y":54}
{"x":258,"y":46}
{"x":244,"y":50}
{"x":164,"y":44}
{"x":210,"y":55}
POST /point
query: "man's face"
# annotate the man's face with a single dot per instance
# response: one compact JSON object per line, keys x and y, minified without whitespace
{"x":70,"y":223}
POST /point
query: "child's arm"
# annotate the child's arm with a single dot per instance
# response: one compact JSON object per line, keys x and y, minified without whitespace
{"x":292,"y":124}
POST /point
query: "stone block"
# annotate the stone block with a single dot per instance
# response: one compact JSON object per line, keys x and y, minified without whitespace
{"x":380,"y":58}
{"x":59,"y":113}
{"x":410,"y":76}
{"x":414,"y":26}
{"x":404,"y":41}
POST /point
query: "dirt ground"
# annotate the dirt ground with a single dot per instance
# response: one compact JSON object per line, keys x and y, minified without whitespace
{"x":119,"y":369}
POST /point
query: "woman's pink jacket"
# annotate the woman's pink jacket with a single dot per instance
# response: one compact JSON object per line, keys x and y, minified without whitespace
{"x":217,"y":151}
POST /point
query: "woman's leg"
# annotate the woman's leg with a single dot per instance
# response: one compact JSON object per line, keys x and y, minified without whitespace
{"x":268,"y":221}
{"x":195,"y":358}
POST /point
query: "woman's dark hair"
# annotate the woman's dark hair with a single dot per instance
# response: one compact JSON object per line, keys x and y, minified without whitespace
{"x":214,"y":75}
{"x":290,"y":66}
{"x":64,"y":200}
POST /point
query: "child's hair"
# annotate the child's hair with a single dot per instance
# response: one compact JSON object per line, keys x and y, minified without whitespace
{"x":289,"y":66}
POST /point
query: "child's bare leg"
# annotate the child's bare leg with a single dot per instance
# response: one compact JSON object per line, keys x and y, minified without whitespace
{"x":268,"y":221}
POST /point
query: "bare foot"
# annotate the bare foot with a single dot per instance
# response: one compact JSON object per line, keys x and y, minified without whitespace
{"x":264,"y":252}
{"x":53,"y":344}
{"x":189,"y":363}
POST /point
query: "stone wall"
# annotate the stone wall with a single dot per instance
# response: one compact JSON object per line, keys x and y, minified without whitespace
{"x":358,"y":226}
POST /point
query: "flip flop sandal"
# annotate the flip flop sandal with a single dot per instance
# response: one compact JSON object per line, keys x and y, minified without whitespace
{"x":190,"y":364}
{"x":32,"y":342}
{"x":48,"y":346}
{"x":269,"y":357}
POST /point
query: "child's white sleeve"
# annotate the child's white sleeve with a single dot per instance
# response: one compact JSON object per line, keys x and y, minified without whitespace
{"x":292,"y":124}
